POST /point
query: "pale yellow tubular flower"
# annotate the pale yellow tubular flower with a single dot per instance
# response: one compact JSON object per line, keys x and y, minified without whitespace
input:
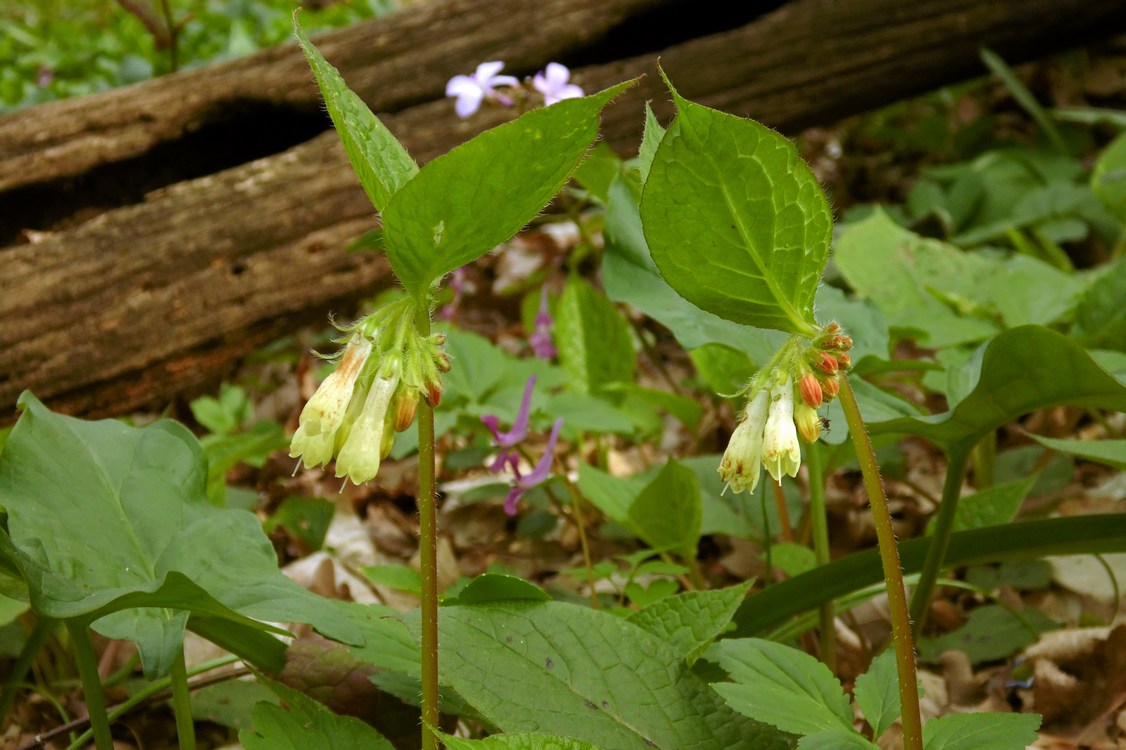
{"x":325,"y":410}
{"x":314,"y":450}
{"x":741,"y":464}
{"x":359,"y":458}
{"x":781,"y":453}
{"x":807,"y":421}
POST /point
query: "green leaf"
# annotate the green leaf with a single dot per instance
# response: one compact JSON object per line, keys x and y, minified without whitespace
{"x":305,"y":724}
{"x":690,"y":621}
{"x":781,"y":686}
{"x":305,"y":518}
{"x":466,"y":202}
{"x":610,"y":494}
{"x":877,"y":693}
{"x":735,"y":219}
{"x":593,"y":338}
{"x":495,"y":587}
{"x":981,"y":732}
{"x":629,"y":275}
{"x":1100,"y":319}
{"x":225,"y":451}
{"x":1109,"y":452}
{"x":991,"y":632}
{"x":230,"y":703}
{"x":379,"y":160}
{"x":516,"y":741}
{"x":105,"y":517}
{"x":651,"y":138}
{"x":1020,"y":370}
{"x":586,"y":674}
{"x":600,"y":168}
{"x":667,"y":514}
{"x":397,"y":576}
{"x":1027,"y":540}
{"x":994,"y":506}
{"x":222,"y":415}
{"x":792,"y":559}
{"x":1108,"y":179}
{"x":835,"y":739}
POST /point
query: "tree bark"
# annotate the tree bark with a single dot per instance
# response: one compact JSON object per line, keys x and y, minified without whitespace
{"x":150,"y":274}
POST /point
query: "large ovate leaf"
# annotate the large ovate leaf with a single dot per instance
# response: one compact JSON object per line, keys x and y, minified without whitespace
{"x":1100,"y":318}
{"x":1019,"y":371}
{"x":569,"y":670}
{"x":990,"y":633}
{"x":667,"y":514}
{"x":305,"y":724}
{"x":877,"y":693}
{"x":466,"y":202}
{"x":981,"y":732}
{"x":690,"y":621}
{"x":1108,"y":179}
{"x":105,"y":517}
{"x":593,"y":339}
{"x":992,"y":506}
{"x":1027,"y":540}
{"x":1109,"y":452}
{"x":781,"y":686}
{"x":379,"y":160}
{"x":735,"y":219}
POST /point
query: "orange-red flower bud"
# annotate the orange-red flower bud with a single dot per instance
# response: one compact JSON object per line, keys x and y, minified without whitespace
{"x":810,"y":390}
{"x":844,"y":361}
{"x":826,"y":362}
{"x":844,"y":343}
{"x":404,"y":412}
{"x":830,"y":387}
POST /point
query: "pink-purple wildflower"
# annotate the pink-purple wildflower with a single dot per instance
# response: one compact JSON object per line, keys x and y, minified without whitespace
{"x":553,"y":84}
{"x":507,"y":441}
{"x":538,"y":475}
{"x":541,"y":340}
{"x":473,"y":89}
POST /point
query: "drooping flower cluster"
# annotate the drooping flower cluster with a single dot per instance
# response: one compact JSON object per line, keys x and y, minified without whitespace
{"x":782,"y":402}
{"x":383,"y":370}
{"x":471,"y":91}
{"x":509,"y":455}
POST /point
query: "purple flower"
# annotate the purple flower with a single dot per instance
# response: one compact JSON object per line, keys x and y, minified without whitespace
{"x":472,"y":90}
{"x":539,"y":474}
{"x":507,"y":441}
{"x":553,"y":84}
{"x":540,"y":339}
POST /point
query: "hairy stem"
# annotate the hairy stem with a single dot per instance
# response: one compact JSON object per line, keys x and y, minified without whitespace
{"x":428,"y":557}
{"x":182,"y":702}
{"x":940,"y":538}
{"x":893,"y":573}
{"x":820,"y":523}
{"x":91,"y":683}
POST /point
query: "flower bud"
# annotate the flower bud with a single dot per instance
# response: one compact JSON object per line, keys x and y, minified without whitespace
{"x":830,"y":387}
{"x":844,"y":361}
{"x":810,"y":390}
{"x":405,"y":408}
{"x":826,"y":362}
{"x":434,"y":393}
{"x":844,"y":343}
{"x":807,"y":422}
{"x":443,"y":362}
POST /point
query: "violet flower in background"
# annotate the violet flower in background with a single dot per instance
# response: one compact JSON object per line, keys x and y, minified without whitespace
{"x":541,"y":340}
{"x":553,"y":84}
{"x":539,"y":474}
{"x":507,"y":441}
{"x":473,"y":89}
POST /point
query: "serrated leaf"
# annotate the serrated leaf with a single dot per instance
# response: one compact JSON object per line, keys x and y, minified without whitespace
{"x":991,"y":632}
{"x":593,"y":338}
{"x":781,"y":686}
{"x":379,"y":160}
{"x":981,"y":732}
{"x":877,"y":693}
{"x":690,"y":621}
{"x":466,"y":202}
{"x":993,"y":506}
{"x":1019,"y":371}
{"x":835,"y":739}
{"x":571,"y":670}
{"x":735,"y":219}
{"x":104,"y":517}
{"x":667,"y":514}
{"x":516,"y":741}
{"x":305,"y":724}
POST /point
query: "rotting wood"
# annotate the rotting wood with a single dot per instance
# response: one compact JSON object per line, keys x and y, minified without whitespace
{"x":151,"y":300}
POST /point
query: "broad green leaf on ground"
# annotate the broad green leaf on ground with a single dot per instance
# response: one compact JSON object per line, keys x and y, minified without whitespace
{"x":1020,"y":370}
{"x":495,"y":587}
{"x":105,"y":517}
{"x":791,"y":558}
{"x":724,"y":369}
{"x":377,"y":157}
{"x":230,"y":703}
{"x":667,"y":513}
{"x":876,"y":405}
{"x":690,"y":621}
{"x":516,"y":741}
{"x":486,"y":375}
{"x":610,"y":494}
{"x":570,"y":670}
{"x":1100,"y":319}
{"x":877,"y":693}
{"x":582,"y":412}
{"x":942,"y":294}
{"x":687,"y":410}
{"x":835,"y":739}
{"x":251,"y":446}
{"x":593,"y":338}
{"x":466,"y":202}
{"x":1026,"y":540}
{"x":991,"y":632}
{"x":981,"y":732}
{"x":629,"y":275}
{"x":224,"y":414}
{"x":781,"y":686}
{"x":305,"y":518}
{"x":994,"y":506}
{"x":735,"y":219}
{"x":305,"y":724}
{"x":1108,"y":179}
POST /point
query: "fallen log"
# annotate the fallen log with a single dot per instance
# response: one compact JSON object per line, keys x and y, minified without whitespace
{"x":159,"y":296}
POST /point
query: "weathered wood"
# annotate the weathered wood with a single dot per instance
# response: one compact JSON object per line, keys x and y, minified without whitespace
{"x":146,"y":301}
